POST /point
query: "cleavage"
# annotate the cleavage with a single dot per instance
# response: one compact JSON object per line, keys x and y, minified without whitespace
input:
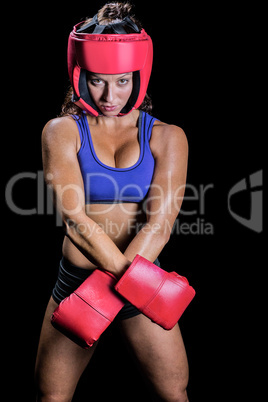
{"x":117,"y":151}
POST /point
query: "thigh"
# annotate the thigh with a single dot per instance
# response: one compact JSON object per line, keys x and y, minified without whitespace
{"x":161,"y":355}
{"x":60,"y":362}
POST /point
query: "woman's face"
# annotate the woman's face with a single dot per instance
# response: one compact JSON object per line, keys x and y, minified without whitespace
{"x":110,"y":92}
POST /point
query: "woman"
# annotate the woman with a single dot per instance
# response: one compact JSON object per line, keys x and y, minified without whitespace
{"x":118,"y":177}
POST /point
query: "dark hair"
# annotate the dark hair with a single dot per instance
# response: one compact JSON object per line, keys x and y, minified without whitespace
{"x":109,"y":13}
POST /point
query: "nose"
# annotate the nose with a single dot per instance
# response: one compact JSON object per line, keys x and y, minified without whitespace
{"x":108,"y":93}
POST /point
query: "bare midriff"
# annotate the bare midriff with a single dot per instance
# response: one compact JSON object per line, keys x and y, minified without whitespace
{"x":120,"y":222}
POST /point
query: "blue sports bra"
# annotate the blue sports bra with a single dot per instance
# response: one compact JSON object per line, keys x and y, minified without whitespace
{"x":107,"y":185}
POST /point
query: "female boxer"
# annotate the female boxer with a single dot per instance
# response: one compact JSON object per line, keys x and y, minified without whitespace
{"x":118,"y":176}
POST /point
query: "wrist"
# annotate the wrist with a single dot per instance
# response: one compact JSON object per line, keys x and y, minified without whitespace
{"x":121,"y":267}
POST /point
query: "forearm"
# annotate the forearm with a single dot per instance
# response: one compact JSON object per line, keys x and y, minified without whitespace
{"x":149,"y":242}
{"x":95,"y":244}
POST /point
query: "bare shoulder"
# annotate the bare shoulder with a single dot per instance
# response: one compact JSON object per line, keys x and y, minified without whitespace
{"x":60,"y":132}
{"x":168,"y":139}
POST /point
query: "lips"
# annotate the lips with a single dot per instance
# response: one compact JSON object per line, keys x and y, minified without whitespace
{"x":109,"y":108}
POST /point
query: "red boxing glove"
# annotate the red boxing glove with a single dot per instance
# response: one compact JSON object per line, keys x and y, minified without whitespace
{"x":160,"y":295}
{"x":86,"y":313}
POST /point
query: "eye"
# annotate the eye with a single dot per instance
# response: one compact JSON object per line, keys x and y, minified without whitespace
{"x":96,"y":81}
{"x":123,"y":81}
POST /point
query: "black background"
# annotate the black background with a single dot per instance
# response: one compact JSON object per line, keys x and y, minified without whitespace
{"x":206,"y":79}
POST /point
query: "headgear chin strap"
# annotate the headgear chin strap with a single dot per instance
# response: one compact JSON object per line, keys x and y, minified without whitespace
{"x":116,"y":53}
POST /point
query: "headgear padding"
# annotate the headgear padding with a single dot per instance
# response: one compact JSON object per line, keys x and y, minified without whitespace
{"x":116,"y":53}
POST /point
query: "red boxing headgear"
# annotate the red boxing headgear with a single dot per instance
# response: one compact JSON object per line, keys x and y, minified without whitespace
{"x":115,"y":53}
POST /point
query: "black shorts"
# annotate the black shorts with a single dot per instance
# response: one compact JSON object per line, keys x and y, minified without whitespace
{"x":70,"y":277}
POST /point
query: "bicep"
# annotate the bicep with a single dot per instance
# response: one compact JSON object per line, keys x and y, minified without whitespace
{"x":61,"y":168}
{"x":168,"y":185}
